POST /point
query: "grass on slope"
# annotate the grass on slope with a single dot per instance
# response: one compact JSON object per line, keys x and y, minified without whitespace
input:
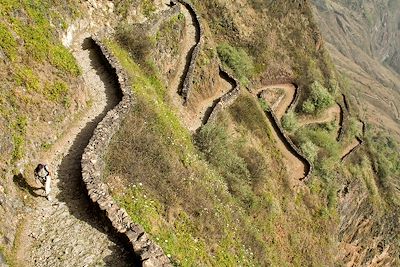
{"x":221,"y":202}
{"x":38,"y":82}
{"x":37,"y":72}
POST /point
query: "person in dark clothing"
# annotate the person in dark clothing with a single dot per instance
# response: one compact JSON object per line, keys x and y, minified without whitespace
{"x":42,"y":175}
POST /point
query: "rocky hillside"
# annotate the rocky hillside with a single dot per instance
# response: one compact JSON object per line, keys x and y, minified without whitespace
{"x":364,"y":39}
{"x":211,"y":133}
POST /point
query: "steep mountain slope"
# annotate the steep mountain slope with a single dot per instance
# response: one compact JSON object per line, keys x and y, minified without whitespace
{"x":236,"y":142}
{"x":364,"y":40}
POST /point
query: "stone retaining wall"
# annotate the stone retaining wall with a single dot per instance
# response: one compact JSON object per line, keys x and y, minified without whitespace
{"x":227,"y":99}
{"x":92,"y":170}
{"x":345,"y":118}
{"x":288,"y":141}
{"x":188,"y":81}
{"x":346,"y":103}
{"x":295,"y":100}
{"x":341,"y":123}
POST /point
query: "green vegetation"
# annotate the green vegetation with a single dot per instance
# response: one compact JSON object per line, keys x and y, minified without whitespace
{"x":170,"y":32}
{"x":161,"y":147}
{"x":320,"y":146}
{"x":8,"y":43}
{"x":28,"y":78}
{"x":136,"y":41}
{"x":37,"y":70}
{"x":310,"y":150}
{"x":318,"y":100}
{"x":283,"y":33}
{"x":386,"y":163}
{"x":264,"y":105}
{"x":19,"y":128}
{"x":57,"y":92}
{"x":62,"y":59}
{"x":289,"y":121}
{"x":148,"y":7}
{"x":221,"y":200}
{"x":237,"y":60}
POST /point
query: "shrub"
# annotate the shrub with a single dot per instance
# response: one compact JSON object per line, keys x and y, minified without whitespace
{"x":57,"y":91}
{"x":237,"y":60}
{"x":308,"y":107}
{"x":148,"y":7}
{"x":28,"y":78}
{"x":289,"y":121}
{"x":319,"y":97}
{"x":264,"y":105}
{"x":310,"y":150}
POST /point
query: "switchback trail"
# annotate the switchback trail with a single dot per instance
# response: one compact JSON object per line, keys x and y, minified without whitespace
{"x":205,"y":107}
{"x":190,"y":37}
{"x":282,"y":104}
{"x":69,"y":230}
{"x":296,"y":168}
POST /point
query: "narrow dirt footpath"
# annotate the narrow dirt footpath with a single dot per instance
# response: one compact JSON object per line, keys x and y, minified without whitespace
{"x":349,"y":148}
{"x":68,"y":231}
{"x":296,"y":168}
{"x":330,"y":114}
{"x":187,"y":46}
{"x":191,"y":35}
{"x":205,"y":107}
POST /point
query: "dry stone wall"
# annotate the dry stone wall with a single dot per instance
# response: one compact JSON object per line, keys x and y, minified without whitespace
{"x":344,"y":118}
{"x":341,"y":123}
{"x":295,"y":100}
{"x":92,"y":169}
{"x":227,"y":99}
{"x":188,"y":81}
{"x":299,"y":154}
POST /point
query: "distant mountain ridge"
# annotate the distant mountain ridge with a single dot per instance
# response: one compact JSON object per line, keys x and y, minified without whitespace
{"x":363,"y":37}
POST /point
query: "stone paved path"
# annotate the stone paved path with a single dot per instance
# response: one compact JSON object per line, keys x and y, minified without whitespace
{"x":68,"y":230}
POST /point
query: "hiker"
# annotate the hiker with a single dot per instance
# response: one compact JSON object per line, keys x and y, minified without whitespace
{"x":42,"y":175}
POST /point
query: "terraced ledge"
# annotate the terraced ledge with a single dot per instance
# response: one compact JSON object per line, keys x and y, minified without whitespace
{"x":358,"y":146}
{"x":226,"y":100}
{"x":149,"y":253}
{"x":188,"y":80}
